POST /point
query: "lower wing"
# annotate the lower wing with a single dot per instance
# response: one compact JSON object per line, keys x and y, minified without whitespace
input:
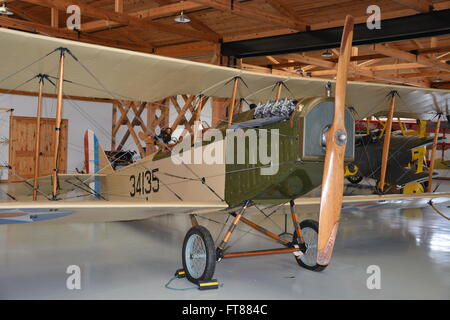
{"x":15,"y":212}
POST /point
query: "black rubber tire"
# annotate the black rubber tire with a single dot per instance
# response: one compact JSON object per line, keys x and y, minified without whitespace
{"x":315,"y":226}
{"x":355,"y":179}
{"x":210,"y":249}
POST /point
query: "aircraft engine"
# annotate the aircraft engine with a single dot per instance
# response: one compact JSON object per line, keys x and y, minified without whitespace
{"x":315,"y":116}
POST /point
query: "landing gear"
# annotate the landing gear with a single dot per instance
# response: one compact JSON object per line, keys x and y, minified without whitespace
{"x":310,"y":232}
{"x":199,"y":255}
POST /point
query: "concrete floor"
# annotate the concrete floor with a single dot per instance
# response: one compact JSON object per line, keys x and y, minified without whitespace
{"x":134,"y":260}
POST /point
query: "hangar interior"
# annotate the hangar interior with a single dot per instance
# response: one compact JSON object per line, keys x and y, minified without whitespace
{"x":295,"y":39}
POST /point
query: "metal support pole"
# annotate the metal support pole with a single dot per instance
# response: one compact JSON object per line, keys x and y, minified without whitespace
{"x":264,"y":231}
{"x":233,"y":101}
{"x":59,"y":107}
{"x":194,"y":221}
{"x":233,"y":226}
{"x":259,"y":252}
{"x":296,"y":222}
{"x":433,"y":155}
{"x":37,"y":152}
{"x":386,"y":142}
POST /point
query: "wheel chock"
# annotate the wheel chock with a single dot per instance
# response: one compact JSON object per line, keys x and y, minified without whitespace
{"x":202,"y":285}
{"x":180,"y":273}
{"x":208,"y":285}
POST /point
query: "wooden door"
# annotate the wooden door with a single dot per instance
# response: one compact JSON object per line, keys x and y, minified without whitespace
{"x":22,"y":137}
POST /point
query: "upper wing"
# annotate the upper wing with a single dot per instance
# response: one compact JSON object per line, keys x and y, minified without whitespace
{"x":145,"y":77}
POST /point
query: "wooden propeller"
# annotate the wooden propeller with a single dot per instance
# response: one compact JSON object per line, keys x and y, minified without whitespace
{"x":336,"y":139}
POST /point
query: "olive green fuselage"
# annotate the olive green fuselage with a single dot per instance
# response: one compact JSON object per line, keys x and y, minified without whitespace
{"x":299,"y":160}
{"x":295,"y":177}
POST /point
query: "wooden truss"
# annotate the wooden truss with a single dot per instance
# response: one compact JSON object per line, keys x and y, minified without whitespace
{"x":188,"y":108}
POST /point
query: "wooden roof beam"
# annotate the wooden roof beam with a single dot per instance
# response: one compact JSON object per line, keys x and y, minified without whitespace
{"x":407,"y":56}
{"x":310,"y":60}
{"x":123,"y":18}
{"x":419,"y":75}
{"x":372,"y":75}
{"x":54,"y":18}
{"x":395,"y":66}
{"x":422,"y":6}
{"x":118,"y":6}
{"x":282,"y":9}
{"x":254,"y":12}
{"x":194,"y":23}
{"x":24,"y":14}
{"x":68,"y":34}
{"x":144,"y":13}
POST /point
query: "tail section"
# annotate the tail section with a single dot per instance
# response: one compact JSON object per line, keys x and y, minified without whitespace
{"x":95,"y":159}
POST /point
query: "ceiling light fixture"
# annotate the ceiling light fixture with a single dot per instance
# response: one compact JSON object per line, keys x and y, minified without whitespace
{"x":327,"y":54}
{"x":5,"y":11}
{"x":182,"y":18}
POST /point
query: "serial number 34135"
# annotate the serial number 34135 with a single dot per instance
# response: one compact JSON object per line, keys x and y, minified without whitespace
{"x":144,"y":183}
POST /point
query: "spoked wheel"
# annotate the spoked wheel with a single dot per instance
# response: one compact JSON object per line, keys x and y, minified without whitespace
{"x":199,"y":254}
{"x":310,"y":231}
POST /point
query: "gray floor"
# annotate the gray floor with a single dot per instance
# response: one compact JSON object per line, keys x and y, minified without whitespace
{"x":134,"y":260}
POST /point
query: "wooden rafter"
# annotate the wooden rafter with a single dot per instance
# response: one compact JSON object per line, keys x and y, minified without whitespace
{"x":68,"y":34}
{"x":118,"y":6}
{"x":254,"y":12}
{"x":25,"y":14}
{"x":122,"y":18}
{"x":310,"y":60}
{"x":282,"y":9}
{"x":143,"y":13}
{"x":54,"y":18}
{"x":396,"y":66}
{"x":407,"y":56}
{"x":418,"y":5}
{"x":195,"y":23}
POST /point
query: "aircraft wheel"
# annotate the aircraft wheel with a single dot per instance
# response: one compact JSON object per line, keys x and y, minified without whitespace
{"x":310,"y":232}
{"x":355,"y":179}
{"x":199,"y":254}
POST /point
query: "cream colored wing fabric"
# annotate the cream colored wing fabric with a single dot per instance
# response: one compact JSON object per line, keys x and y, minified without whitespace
{"x":145,"y":77}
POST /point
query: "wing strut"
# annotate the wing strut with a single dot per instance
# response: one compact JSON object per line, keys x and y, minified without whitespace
{"x":38,"y":138}
{"x":433,"y":154}
{"x":233,"y":101}
{"x":336,"y":139}
{"x":59,"y":107}
{"x":386,"y":142}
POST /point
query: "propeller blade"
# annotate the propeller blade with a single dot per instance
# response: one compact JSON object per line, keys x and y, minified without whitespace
{"x":336,"y":139}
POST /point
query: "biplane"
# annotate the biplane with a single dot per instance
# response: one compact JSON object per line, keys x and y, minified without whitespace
{"x":313,"y":123}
